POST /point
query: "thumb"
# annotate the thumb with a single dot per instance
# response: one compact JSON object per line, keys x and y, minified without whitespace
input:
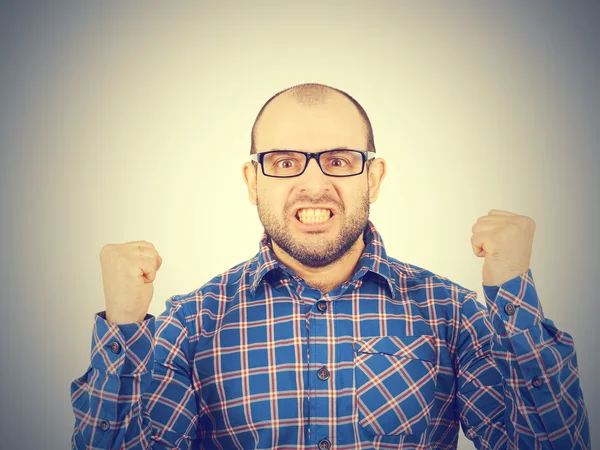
{"x":477,"y":245}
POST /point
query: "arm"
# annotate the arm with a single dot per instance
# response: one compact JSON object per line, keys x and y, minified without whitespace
{"x":137,"y":392}
{"x":517,"y":377}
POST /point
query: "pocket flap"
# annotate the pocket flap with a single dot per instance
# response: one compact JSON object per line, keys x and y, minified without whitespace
{"x":416,"y":347}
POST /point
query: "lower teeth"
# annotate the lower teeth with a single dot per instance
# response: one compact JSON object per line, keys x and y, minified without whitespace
{"x":310,"y":222}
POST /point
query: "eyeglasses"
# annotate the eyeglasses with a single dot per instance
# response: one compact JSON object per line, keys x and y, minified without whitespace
{"x":291,"y":163}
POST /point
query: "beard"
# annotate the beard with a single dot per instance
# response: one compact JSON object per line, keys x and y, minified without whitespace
{"x":315,"y":250}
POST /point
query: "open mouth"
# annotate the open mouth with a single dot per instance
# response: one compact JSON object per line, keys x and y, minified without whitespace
{"x":313,"y":216}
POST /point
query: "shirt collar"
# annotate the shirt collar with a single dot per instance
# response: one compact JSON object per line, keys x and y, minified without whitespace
{"x":374,"y":259}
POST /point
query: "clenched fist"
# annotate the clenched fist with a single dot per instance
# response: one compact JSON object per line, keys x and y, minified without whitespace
{"x":128,"y":271}
{"x":505,"y":240}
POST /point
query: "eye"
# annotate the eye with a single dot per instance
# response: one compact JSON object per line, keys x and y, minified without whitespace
{"x":285,"y":163}
{"x":338,"y":162}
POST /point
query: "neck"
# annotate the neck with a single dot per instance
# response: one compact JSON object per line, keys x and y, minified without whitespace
{"x":328,"y":277}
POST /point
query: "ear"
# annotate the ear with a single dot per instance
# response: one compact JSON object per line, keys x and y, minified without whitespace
{"x":375,"y":175}
{"x":249,"y":174}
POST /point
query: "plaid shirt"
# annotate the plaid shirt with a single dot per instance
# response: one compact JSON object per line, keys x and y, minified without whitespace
{"x":395,"y":358}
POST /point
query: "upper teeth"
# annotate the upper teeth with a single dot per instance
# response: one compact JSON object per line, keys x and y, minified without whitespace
{"x":310,"y":215}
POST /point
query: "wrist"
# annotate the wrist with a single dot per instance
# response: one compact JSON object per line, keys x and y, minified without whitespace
{"x":119,"y":318}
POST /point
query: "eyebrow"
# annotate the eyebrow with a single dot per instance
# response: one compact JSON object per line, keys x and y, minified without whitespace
{"x":282,"y":151}
{"x":294,"y":150}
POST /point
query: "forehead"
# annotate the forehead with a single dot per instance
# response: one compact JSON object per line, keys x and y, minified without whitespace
{"x":288,"y":124}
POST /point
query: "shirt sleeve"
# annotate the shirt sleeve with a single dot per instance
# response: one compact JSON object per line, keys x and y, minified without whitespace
{"x":137,"y":392}
{"x":517,"y":375}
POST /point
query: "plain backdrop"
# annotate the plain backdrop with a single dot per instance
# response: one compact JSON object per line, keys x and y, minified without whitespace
{"x":122,"y":121}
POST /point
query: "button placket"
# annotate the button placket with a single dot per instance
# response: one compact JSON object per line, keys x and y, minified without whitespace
{"x":319,"y":406}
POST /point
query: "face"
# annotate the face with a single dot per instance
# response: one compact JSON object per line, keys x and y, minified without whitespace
{"x":314,"y":218}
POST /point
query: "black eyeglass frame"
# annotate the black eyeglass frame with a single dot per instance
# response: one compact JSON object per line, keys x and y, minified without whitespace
{"x":366,"y":156}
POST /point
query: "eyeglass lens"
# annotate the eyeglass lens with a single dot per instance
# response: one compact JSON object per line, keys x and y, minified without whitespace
{"x":335,"y":162}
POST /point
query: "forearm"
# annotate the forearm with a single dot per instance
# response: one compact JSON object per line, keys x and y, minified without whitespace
{"x":539,"y":365}
{"x":104,"y":420}
{"x":107,"y":399}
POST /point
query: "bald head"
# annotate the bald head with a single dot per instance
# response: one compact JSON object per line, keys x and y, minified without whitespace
{"x":307,"y":97}
{"x":309,"y":94}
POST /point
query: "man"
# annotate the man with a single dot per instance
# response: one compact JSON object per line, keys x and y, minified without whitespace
{"x":322,"y":340}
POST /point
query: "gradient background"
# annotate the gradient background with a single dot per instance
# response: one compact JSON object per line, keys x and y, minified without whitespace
{"x":121,"y":122}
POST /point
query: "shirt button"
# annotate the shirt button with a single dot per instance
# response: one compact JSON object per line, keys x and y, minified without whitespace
{"x":324,"y":444}
{"x":323,"y":374}
{"x":322,"y":306}
{"x":509,"y":309}
{"x":115,"y":347}
{"x":104,"y":425}
{"x":537,"y":382}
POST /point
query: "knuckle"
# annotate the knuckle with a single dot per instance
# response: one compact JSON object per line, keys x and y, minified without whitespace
{"x":525,"y":222}
{"x":513,"y":225}
{"x":106,"y":249}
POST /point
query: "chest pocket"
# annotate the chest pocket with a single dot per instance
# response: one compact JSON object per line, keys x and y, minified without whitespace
{"x":395,"y":383}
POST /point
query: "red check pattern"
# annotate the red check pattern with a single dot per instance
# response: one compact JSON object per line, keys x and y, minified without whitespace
{"x":395,"y":358}
{"x":401,"y":382}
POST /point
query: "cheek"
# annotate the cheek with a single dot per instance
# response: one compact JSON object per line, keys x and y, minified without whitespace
{"x":272,"y":196}
{"x":352,"y":198}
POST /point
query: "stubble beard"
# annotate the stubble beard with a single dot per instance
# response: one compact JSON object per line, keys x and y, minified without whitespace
{"x":315,"y":251}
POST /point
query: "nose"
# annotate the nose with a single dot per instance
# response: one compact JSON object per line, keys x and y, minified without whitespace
{"x":313,"y":180}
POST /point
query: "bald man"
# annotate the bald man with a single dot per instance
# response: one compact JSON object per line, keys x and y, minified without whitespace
{"x":322,"y":340}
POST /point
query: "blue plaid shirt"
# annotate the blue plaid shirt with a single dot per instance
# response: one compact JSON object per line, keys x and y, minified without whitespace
{"x":395,"y":358}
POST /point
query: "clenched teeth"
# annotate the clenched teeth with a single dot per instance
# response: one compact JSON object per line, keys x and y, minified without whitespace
{"x":310,"y":215}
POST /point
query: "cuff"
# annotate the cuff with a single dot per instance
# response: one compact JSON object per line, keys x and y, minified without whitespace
{"x":122,"y":349}
{"x":514,"y":306}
